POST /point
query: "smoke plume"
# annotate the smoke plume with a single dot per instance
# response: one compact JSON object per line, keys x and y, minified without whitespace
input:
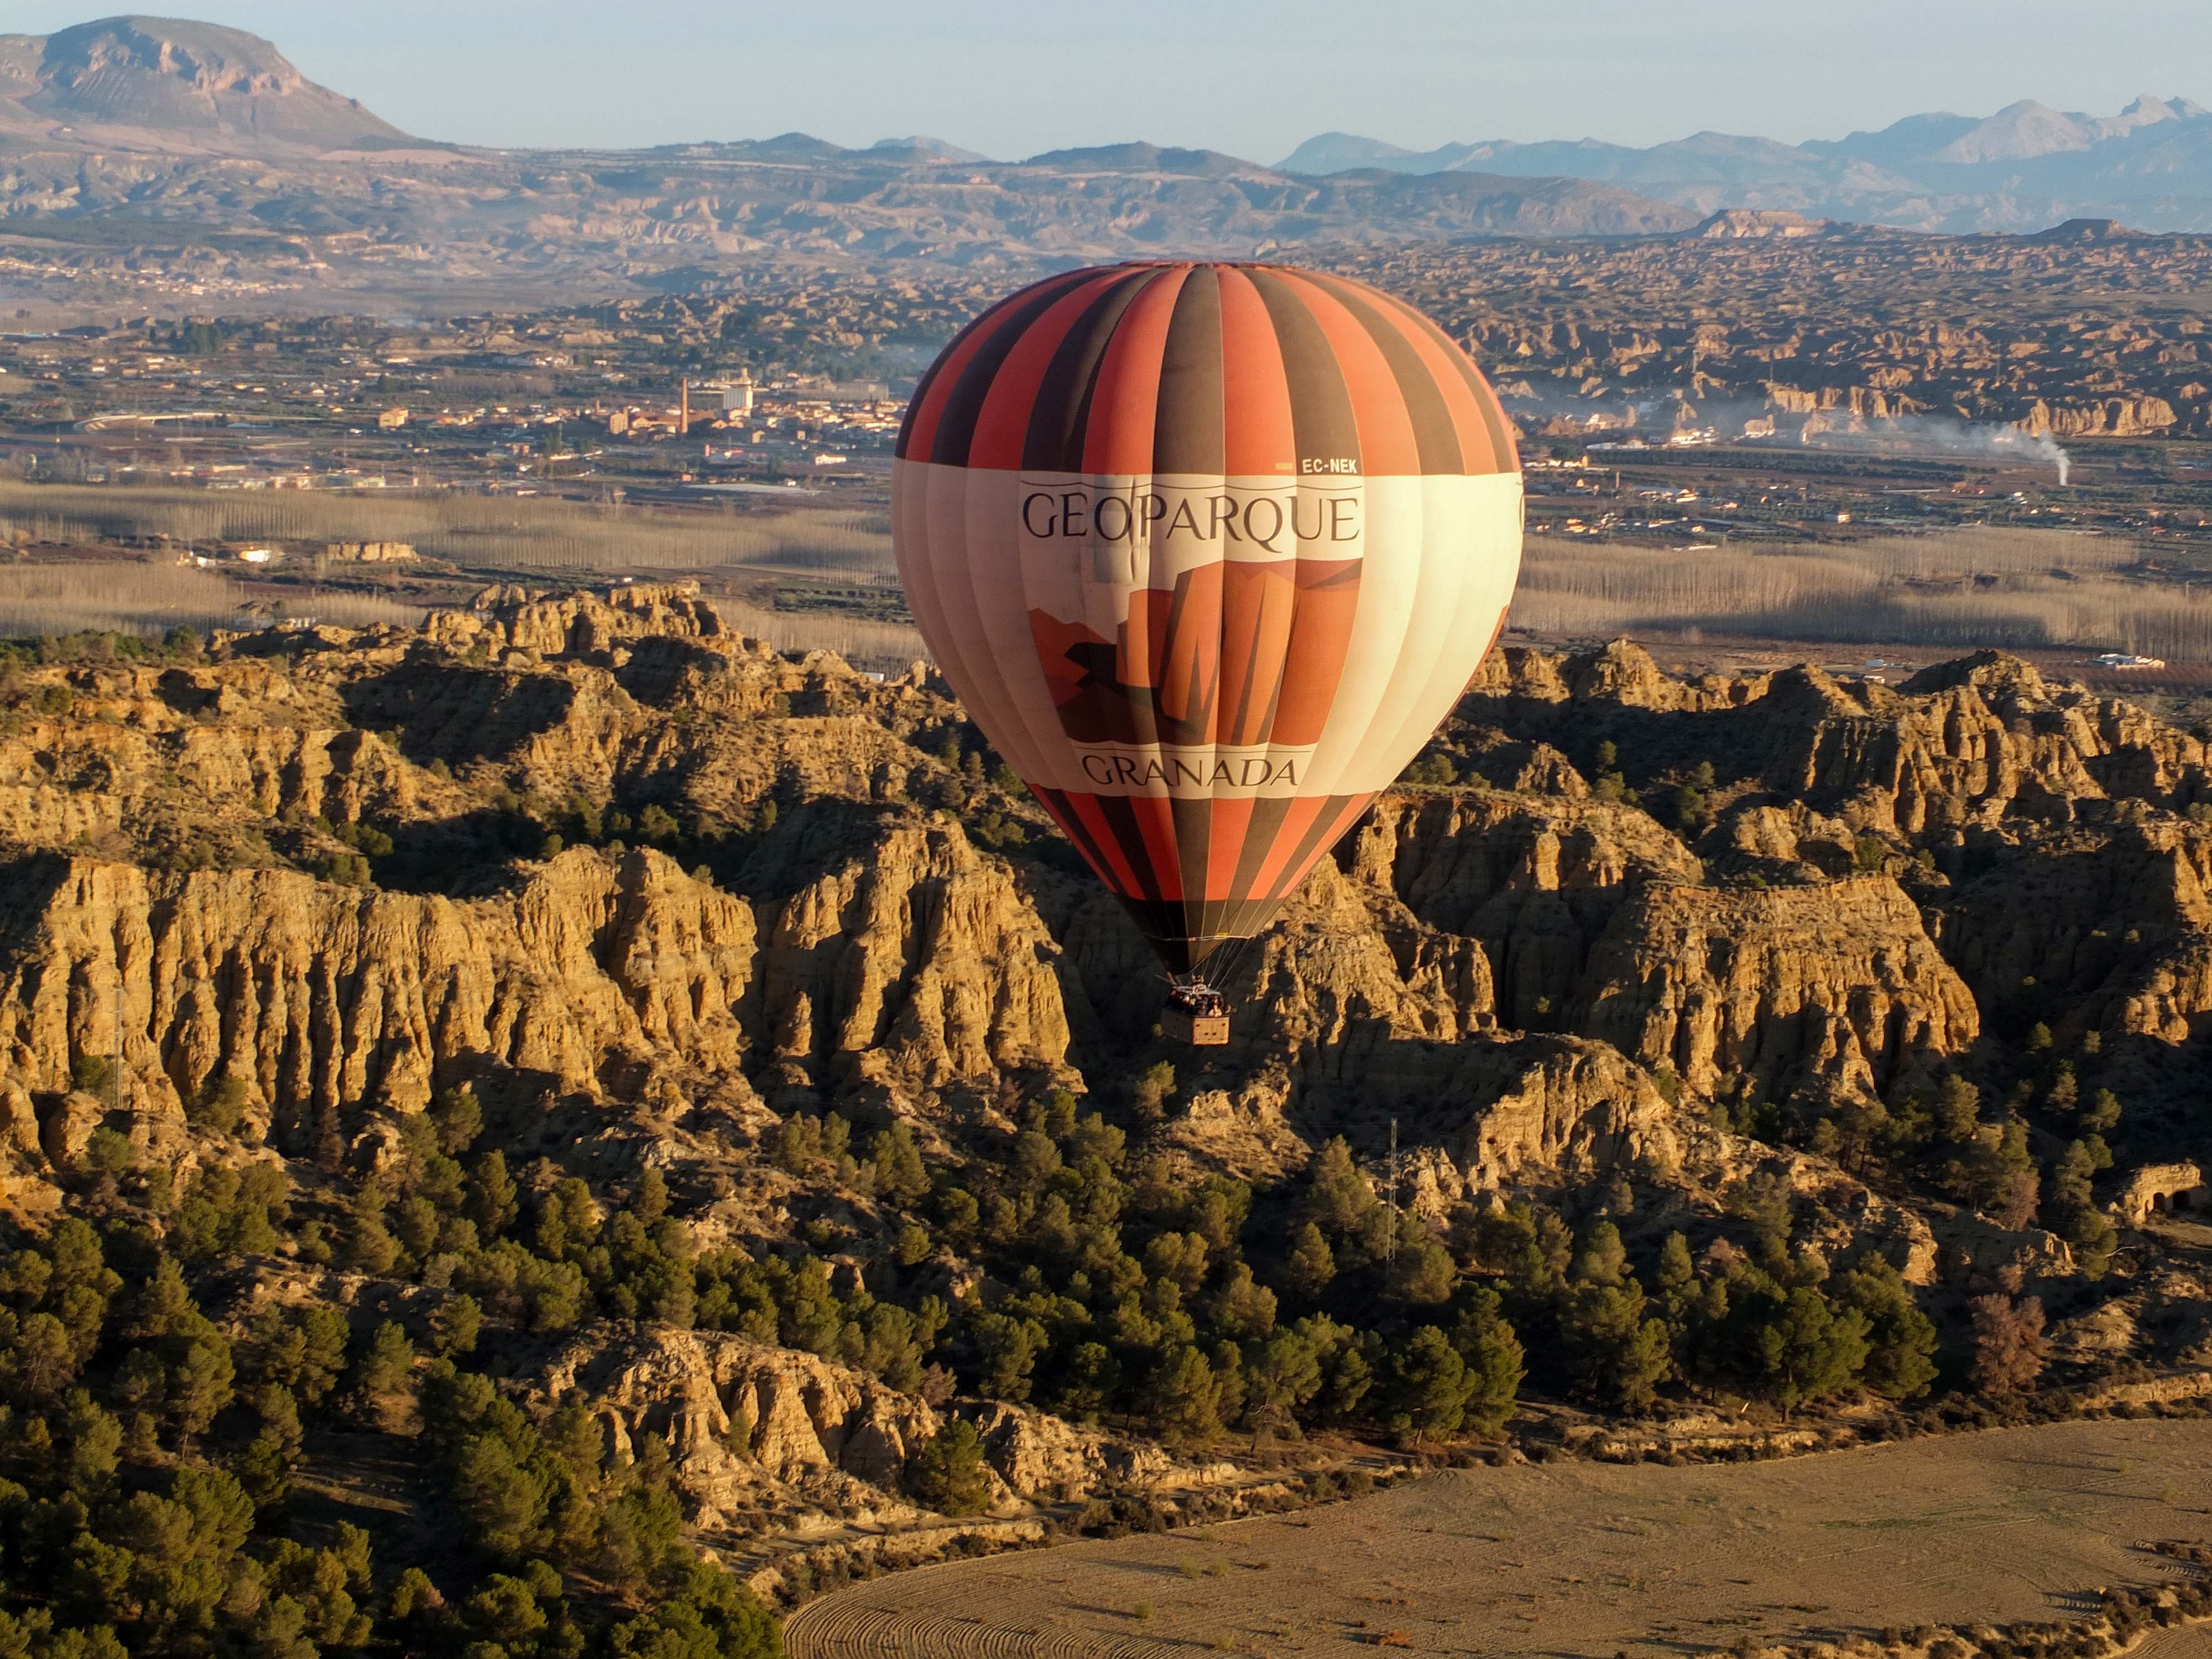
{"x":1938,"y":434}
{"x":1653,"y":419}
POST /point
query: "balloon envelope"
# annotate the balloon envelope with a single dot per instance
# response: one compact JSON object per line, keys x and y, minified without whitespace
{"x":1207,"y":551}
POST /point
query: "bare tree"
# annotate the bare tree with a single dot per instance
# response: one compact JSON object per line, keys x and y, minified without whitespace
{"x":2008,"y":1346}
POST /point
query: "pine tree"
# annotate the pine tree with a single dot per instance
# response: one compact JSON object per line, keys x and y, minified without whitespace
{"x":1338,"y":1196}
{"x":1958,"y":1108}
{"x":1678,"y":1275}
{"x":1185,"y":1397}
{"x":1430,"y":1387}
{"x":1811,"y":1351}
{"x":1616,"y":1353}
{"x":900,"y":1175}
{"x":1901,"y":1340}
{"x":1312,"y":1264}
{"x":1494,"y":1358}
{"x":385,"y":1367}
{"x":2102,"y":1115}
{"x":493,"y":1202}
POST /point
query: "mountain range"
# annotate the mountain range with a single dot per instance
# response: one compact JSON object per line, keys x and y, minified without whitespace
{"x":129,"y":133}
{"x":2024,"y":168}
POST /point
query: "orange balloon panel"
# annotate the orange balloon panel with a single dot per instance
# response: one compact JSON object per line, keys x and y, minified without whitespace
{"x":1207,"y":551}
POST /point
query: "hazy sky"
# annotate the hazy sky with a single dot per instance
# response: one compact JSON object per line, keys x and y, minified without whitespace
{"x":1250,"y":76}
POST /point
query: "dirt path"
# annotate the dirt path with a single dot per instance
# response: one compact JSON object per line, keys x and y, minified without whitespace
{"x":1576,"y":1559}
{"x":749,"y":1557}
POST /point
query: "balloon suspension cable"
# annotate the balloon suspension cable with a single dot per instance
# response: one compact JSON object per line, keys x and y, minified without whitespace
{"x":1234,"y":964}
{"x":1219,"y":970}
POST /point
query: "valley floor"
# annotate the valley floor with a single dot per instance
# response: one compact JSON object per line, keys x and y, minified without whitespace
{"x":1590,"y":1559}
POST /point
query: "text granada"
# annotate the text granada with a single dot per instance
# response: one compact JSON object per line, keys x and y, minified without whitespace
{"x":1250,"y":772}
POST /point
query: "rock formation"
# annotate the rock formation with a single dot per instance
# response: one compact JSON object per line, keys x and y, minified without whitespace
{"x":1838,"y":984}
{"x":664,"y":898}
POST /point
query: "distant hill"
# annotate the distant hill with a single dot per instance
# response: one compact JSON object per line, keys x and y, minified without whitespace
{"x":138,"y":85}
{"x":165,"y":83}
{"x":81,"y":111}
{"x":1342,"y":152}
{"x":2019,"y":169}
{"x":923,"y":147}
{"x":1146,"y":158}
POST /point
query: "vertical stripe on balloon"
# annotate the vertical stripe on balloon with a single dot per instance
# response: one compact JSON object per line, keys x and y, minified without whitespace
{"x":1002,"y":423}
{"x":1124,"y":410}
{"x":955,"y":421}
{"x":1054,"y":442}
{"x":1187,"y":427}
{"x":1230,"y":822}
{"x":1326,"y":431}
{"x":1321,"y":639}
{"x":1504,"y":452}
{"x":1436,"y":434}
{"x":1258,"y":437}
{"x":918,"y":434}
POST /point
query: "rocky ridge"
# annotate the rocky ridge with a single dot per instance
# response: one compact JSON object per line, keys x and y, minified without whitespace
{"x":871,"y":945}
{"x":1563,"y":975}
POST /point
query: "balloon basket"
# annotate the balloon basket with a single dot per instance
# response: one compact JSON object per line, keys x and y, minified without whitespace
{"x":1197,"y":1016}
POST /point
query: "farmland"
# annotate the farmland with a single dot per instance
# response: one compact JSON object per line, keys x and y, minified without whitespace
{"x":2010,"y":589}
{"x":1591,"y":1559}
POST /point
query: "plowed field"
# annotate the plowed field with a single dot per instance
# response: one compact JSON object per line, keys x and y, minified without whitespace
{"x":1583,"y":1558}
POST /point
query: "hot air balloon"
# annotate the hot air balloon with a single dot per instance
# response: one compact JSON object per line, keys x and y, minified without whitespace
{"x":1207,"y":551}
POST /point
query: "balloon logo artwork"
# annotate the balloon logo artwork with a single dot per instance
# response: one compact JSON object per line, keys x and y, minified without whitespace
{"x":1207,"y":551}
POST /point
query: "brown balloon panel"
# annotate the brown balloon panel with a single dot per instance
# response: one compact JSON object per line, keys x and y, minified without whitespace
{"x":1194,"y":874}
{"x":1207,"y":551}
{"x":1245,"y":655}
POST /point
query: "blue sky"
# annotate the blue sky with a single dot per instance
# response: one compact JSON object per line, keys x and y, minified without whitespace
{"x":1250,"y":77}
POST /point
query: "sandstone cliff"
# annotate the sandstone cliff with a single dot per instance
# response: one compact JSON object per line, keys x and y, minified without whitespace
{"x":1969,"y":741}
{"x":764,"y":1439}
{"x":328,"y":1000}
{"x":871,"y":955}
{"x":908,"y":965}
{"x":1536,"y":881}
{"x":2052,"y":836}
{"x":1548,"y":980}
{"x":1838,"y":985}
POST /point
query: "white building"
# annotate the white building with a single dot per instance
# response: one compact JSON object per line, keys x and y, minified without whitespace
{"x":737,"y":395}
